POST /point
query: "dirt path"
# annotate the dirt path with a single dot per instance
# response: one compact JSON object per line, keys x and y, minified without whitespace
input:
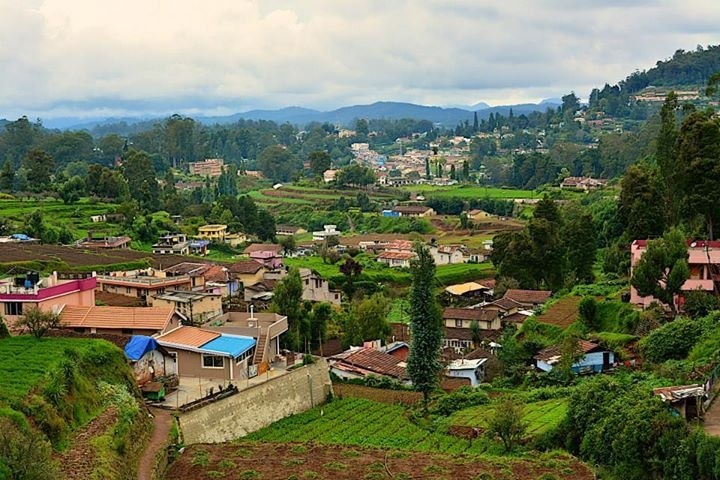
{"x":162,"y":422}
{"x":77,"y":461}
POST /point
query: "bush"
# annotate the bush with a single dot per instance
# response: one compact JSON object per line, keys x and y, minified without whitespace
{"x":463,"y":397}
{"x":671,"y":341}
{"x":588,"y":310}
{"x":24,"y":454}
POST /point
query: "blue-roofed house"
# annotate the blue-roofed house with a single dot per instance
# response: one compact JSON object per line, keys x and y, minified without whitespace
{"x":148,"y":359}
{"x":203,"y":353}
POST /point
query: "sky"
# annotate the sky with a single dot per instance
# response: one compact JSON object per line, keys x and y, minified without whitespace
{"x":90,"y":58}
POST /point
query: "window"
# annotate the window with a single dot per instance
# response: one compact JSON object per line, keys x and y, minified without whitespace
{"x":213,"y":361}
{"x":244,"y":355}
{"x":13,"y":308}
{"x":128,"y":290}
{"x":458,"y":323}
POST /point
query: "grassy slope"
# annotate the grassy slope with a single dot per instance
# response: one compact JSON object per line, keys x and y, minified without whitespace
{"x":540,"y":416}
{"x":470,"y":191}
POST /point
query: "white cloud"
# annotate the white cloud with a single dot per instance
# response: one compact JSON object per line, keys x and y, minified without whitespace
{"x":65,"y":57}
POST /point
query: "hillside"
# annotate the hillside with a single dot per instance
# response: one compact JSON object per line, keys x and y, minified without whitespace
{"x":68,"y":409}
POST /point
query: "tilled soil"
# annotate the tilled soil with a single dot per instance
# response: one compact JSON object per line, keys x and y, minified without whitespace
{"x":271,"y":461}
{"x":78,"y":461}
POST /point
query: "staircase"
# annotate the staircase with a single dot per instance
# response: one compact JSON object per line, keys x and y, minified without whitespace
{"x":260,"y":349}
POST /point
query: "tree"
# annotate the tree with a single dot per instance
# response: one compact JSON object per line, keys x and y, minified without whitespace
{"x":38,"y":322}
{"x":287,"y":300}
{"x":639,"y":211}
{"x":355,"y":175}
{"x":699,"y":303}
{"x":588,"y":312}
{"x":465,"y":170}
{"x":40,"y":167}
{"x":319,"y":162}
{"x":141,"y":177}
{"x":351,"y":270}
{"x":367,"y":320}
{"x":72,"y":190}
{"x":665,"y":154}
{"x":423,"y":364}
{"x":579,"y":236}
{"x":7,"y":177}
{"x":427,"y":168}
{"x":288,"y":243}
{"x":320,"y":317}
{"x":4,"y":332}
{"x":475,"y":333}
{"x":277,"y":163}
{"x":663,"y":268}
{"x":507,"y":423}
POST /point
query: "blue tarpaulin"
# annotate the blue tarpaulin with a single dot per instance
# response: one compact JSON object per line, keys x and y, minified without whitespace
{"x":138,"y":346}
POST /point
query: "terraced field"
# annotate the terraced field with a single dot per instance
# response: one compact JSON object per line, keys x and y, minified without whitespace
{"x":540,"y":416}
{"x":562,"y":313}
{"x":470,"y":192}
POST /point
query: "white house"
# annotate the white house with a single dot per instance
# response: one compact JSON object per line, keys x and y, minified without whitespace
{"x":327,"y":232}
{"x":474,"y":370}
{"x":594,"y":358}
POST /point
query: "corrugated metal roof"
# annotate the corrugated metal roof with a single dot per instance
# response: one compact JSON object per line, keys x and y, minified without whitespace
{"x":230,"y":344}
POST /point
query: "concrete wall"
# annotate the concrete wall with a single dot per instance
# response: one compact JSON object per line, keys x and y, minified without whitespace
{"x":257,"y":406}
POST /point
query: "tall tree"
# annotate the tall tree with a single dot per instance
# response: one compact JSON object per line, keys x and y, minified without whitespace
{"x":663,"y":268}
{"x":639,"y":211}
{"x":40,"y":167}
{"x":7,"y":177}
{"x":319,"y":162}
{"x":579,"y":235}
{"x":465,"y":170}
{"x":140,"y":174}
{"x":423,"y":364}
{"x":666,"y":157}
{"x":698,"y":151}
{"x":277,"y":163}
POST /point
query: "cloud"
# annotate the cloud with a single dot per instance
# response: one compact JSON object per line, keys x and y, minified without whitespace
{"x":74,"y":56}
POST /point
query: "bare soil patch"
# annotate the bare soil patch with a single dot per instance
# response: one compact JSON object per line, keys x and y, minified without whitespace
{"x":78,"y":461}
{"x":562,"y":313}
{"x":269,"y":461}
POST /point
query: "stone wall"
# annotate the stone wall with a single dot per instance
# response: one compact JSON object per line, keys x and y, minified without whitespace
{"x":257,"y":406}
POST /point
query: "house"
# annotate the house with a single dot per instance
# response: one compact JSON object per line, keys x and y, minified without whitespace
{"x":528,"y":298}
{"x":247,"y":272}
{"x":360,"y":362}
{"x":142,"y":283}
{"x":219,"y":280}
{"x":196,"y":272}
{"x":22,"y":292}
{"x":210,"y":167}
{"x":704,"y":263}
{"x":317,"y":289}
{"x":198,"y":247}
{"x":105,"y":242}
{"x":148,"y":359}
{"x":414,"y":211}
{"x":265,"y":328}
{"x":172,"y":244}
{"x":473,"y":370}
{"x":197,"y":307}
{"x":329,"y":175}
{"x":466,"y":293}
{"x":463,"y":318}
{"x":399,"y":350}
{"x":289,"y":230}
{"x":583,"y":183}
{"x":396,"y":259}
{"x":447,"y":254}
{"x":213,"y":232}
{"x":267,"y":254}
{"x":119,"y":320}
{"x":687,"y":400}
{"x":327,"y":232}
{"x":203,"y":353}
{"x":477,"y":215}
{"x":259,"y":292}
{"x":593,"y":358}
{"x":235,"y":239}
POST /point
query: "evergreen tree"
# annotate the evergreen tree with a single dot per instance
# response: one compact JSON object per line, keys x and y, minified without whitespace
{"x":466,"y":170}
{"x":666,"y":157}
{"x":427,"y":168}
{"x":423,"y":364}
{"x":287,"y":300}
{"x":475,"y":122}
{"x":7,"y":177}
{"x":40,"y":167}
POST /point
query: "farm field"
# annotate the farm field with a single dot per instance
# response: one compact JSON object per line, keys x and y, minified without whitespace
{"x":278,"y":461}
{"x":296,"y":195}
{"x":470,"y":191}
{"x":374,"y":271}
{"x":540,"y":416}
{"x":24,"y":361}
{"x":75,"y":217}
{"x":562,"y":313}
{"x":362,"y":422}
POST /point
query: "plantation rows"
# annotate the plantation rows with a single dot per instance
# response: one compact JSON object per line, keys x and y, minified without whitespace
{"x":357,"y":421}
{"x":539,"y":416}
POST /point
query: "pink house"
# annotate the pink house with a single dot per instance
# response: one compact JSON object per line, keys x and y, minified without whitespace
{"x":267,"y":254}
{"x":704,"y":261}
{"x":17,"y":294}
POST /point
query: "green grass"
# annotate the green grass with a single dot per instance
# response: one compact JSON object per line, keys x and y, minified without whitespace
{"x":470,"y":192}
{"x":539,"y":416}
{"x":399,"y":311}
{"x":357,"y":421}
{"x":26,"y":361}
{"x":378,"y":272}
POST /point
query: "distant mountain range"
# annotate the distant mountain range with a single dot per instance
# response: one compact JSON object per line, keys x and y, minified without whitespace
{"x":447,"y":117}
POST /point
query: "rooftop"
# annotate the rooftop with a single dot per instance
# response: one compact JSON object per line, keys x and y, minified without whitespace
{"x":528,"y":296}
{"x":184,"y":296}
{"x":463,"y":288}
{"x":206,"y":341}
{"x":464,"y":364}
{"x":552,"y":355}
{"x":263,"y":247}
{"x":469,"y":314}
{"x":188,"y":336}
{"x":368,"y":360}
{"x":146,"y":318}
{"x":245,"y":266}
{"x":397,"y":255}
{"x":187,"y":268}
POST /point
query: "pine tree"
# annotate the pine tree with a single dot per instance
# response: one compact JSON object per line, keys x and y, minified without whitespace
{"x":423,"y":364}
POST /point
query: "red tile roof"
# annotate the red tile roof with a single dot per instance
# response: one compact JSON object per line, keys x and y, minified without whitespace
{"x":188,"y":336}
{"x":397,"y":255}
{"x":506,"y":303}
{"x":216,"y":273}
{"x":411,"y":209}
{"x":469,"y":314}
{"x":528,"y":296}
{"x":245,"y":266}
{"x":263,"y":247}
{"x":145,"y":318}
{"x":368,"y":360}
{"x":187,"y":268}
{"x":554,"y":351}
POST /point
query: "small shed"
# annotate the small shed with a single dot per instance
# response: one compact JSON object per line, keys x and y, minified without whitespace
{"x":154,"y":391}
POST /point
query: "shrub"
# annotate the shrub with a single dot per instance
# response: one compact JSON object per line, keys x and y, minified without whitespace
{"x":24,"y":453}
{"x":589,"y":313}
{"x":463,"y":397}
{"x":671,"y":341}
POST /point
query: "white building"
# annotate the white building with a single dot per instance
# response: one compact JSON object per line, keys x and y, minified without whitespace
{"x":329,"y":231}
{"x":474,"y":370}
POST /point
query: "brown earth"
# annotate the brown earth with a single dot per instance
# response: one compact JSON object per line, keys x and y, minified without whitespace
{"x":271,"y":461}
{"x":78,"y":461}
{"x":162,"y":422}
{"x":562,"y":313}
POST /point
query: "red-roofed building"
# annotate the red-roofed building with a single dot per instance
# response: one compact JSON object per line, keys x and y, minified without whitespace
{"x":704,"y":262}
{"x":528,"y":298}
{"x":396,"y":259}
{"x":268,"y":254}
{"x":119,"y":320}
{"x":359,"y":362}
